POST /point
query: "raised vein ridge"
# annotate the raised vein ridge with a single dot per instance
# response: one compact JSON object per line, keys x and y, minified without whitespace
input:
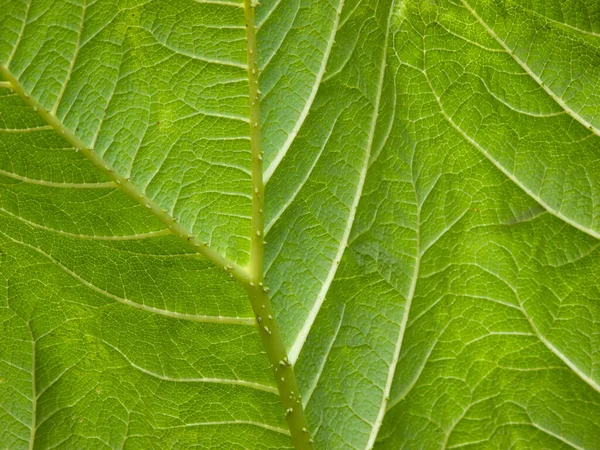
{"x":313,"y":93}
{"x":258,"y":293}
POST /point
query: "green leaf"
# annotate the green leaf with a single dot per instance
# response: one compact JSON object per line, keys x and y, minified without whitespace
{"x":430,"y":187}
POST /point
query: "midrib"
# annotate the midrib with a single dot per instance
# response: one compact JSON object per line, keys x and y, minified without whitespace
{"x":258,"y":294}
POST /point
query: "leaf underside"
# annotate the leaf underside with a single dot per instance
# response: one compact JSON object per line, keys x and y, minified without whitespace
{"x":432,"y":214}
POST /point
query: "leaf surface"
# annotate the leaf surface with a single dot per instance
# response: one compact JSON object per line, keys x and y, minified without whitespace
{"x":431,"y":209}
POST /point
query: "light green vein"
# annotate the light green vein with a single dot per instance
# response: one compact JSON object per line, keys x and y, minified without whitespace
{"x":100,"y":185}
{"x":248,"y":321}
{"x":89,"y":237}
{"x":244,"y":383}
{"x":233,"y":422}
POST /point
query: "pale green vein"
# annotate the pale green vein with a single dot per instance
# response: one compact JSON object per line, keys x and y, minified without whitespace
{"x":442,"y":233}
{"x":15,"y":418}
{"x":415,"y":378}
{"x":232,"y":422}
{"x":235,"y":382}
{"x":311,"y":389}
{"x":26,"y":130}
{"x":512,"y":424}
{"x":90,"y":237}
{"x":505,"y":171}
{"x":469,"y":41}
{"x":276,"y":50}
{"x":73,"y":61}
{"x":54,"y":381}
{"x":248,"y":321}
{"x":400,"y":339}
{"x":585,"y":377}
{"x":204,"y":59}
{"x":21,"y":34}
{"x":220,"y":115}
{"x":556,"y":436}
{"x":296,"y":347}
{"x":220,"y":3}
{"x":302,"y":182}
{"x":560,"y":24}
{"x":99,"y":185}
{"x":549,"y":345}
{"x":460,"y":418}
{"x":309,"y":101}
{"x":518,"y":110}
{"x":10,"y":364}
{"x":267,"y":16}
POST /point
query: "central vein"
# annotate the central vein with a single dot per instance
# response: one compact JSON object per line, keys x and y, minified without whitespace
{"x":258,"y":293}
{"x":257,"y":240}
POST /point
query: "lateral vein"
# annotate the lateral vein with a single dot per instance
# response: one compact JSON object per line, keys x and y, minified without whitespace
{"x":99,"y":185}
{"x":236,"y":422}
{"x":398,"y":347}
{"x":249,"y":384}
{"x":313,"y":93}
{"x":89,"y":237}
{"x":248,"y":321}
{"x":73,"y":60}
{"x":505,"y":171}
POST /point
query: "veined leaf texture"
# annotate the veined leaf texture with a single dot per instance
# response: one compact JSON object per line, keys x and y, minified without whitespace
{"x":339,"y":224}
